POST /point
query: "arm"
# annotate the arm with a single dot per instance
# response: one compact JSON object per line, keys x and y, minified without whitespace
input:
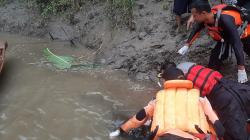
{"x":230,"y":29}
{"x":190,"y":22}
{"x":227,"y":24}
{"x":195,"y":33}
{"x":136,"y":121}
{"x":208,"y":110}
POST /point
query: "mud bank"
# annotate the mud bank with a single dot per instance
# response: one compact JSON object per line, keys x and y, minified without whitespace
{"x":138,"y":50}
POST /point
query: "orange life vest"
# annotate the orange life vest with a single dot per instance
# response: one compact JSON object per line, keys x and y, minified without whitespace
{"x":214,"y":31}
{"x":178,"y":108}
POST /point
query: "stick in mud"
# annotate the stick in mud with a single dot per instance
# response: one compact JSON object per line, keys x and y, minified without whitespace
{"x":70,"y":40}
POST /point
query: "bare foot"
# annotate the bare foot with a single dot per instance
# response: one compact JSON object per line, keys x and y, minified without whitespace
{"x":178,"y":30}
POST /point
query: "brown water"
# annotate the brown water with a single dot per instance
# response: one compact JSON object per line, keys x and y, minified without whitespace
{"x":38,"y":102}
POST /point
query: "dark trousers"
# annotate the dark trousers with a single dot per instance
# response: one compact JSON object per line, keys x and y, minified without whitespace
{"x":231,"y":101}
{"x":246,"y":44}
{"x":215,"y":62}
{"x":181,"y":6}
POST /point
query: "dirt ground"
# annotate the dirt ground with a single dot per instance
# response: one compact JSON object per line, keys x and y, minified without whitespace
{"x":138,"y":51}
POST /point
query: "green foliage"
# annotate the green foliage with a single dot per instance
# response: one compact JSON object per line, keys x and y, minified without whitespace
{"x":53,"y":7}
{"x":3,"y":2}
{"x":120,"y":12}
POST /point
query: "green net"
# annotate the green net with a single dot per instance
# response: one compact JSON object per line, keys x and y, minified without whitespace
{"x":60,"y":62}
{"x":67,"y":62}
{"x":86,"y":65}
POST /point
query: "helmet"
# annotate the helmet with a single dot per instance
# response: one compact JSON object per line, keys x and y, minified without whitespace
{"x":185,"y":66}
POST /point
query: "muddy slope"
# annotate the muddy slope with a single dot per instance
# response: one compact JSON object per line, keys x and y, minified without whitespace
{"x":138,"y":50}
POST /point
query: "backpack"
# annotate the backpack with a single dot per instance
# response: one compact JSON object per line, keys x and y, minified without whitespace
{"x":244,"y":15}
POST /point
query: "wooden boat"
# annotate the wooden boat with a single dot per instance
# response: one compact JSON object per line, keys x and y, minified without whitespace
{"x":3,"y":46}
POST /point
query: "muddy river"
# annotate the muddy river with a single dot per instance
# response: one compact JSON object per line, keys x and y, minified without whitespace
{"x":38,"y":102}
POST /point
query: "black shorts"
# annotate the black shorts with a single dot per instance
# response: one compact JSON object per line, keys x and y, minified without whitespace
{"x":181,"y":6}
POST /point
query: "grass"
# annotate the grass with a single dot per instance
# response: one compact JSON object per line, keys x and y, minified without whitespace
{"x":53,"y":7}
{"x":3,"y":2}
{"x":120,"y":12}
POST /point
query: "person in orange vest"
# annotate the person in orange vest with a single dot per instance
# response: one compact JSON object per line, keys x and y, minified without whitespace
{"x":147,"y":113}
{"x":229,"y":99}
{"x":241,"y":3}
{"x":226,"y":26}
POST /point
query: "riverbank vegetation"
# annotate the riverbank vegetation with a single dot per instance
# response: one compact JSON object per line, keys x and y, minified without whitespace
{"x":120,"y":12}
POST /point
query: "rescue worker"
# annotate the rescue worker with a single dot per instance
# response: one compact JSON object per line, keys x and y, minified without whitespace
{"x":229,"y":99}
{"x":240,"y":3}
{"x":147,"y":112}
{"x":222,"y":25}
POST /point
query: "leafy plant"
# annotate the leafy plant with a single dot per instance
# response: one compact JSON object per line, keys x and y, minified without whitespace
{"x":53,"y":7}
{"x":3,"y":2}
{"x":120,"y":12}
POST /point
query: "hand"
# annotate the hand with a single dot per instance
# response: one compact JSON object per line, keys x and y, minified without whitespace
{"x":242,"y":76}
{"x":153,"y":134}
{"x":114,"y":134}
{"x":183,"y":50}
{"x":205,"y":136}
{"x":219,"y":129}
{"x":190,"y":22}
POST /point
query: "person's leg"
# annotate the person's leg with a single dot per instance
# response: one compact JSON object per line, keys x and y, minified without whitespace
{"x":225,"y":55}
{"x":180,"y":7}
{"x":214,"y":61}
{"x":178,"y":22}
{"x":140,"y":118}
